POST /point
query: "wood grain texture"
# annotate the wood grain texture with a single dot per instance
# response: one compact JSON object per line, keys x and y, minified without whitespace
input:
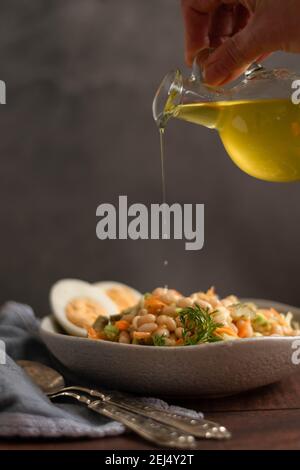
{"x":280,"y":396}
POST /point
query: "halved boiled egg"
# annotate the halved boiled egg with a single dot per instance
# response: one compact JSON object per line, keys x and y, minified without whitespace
{"x":77,"y":304}
{"x":122,"y":295}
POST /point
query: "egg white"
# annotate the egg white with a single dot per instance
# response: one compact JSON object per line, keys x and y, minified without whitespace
{"x":65,"y":290}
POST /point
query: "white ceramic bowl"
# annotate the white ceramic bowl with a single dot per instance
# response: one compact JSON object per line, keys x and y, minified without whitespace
{"x":222,"y":368}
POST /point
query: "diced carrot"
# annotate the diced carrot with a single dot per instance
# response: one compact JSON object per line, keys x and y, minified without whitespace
{"x":153,"y":304}
{"x":122,"y":325}
{"x":93,"y":334}
{"x":245,"y":329}
{"x":225,"y":330}
{"x":141,"y":334}
{"x":179,"y":342}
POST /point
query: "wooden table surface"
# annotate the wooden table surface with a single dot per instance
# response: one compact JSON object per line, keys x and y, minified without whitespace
{"x":268,"y":418}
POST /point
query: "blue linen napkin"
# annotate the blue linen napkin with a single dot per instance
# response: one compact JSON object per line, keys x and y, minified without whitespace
{"x":24,"y":410}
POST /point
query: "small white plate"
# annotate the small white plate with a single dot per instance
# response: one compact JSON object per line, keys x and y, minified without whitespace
{"x":214,"y":369}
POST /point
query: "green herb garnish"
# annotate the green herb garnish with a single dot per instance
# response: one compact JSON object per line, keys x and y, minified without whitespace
{"x":260,"y":320}
{"x":198,"y":326}
{"x":159,"y":340}
{"x":111,"y":332}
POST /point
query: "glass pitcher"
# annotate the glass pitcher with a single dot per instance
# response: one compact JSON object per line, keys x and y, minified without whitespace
{"x":258,"y":120}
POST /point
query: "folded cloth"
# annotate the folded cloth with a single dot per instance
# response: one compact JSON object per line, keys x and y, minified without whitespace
{"x":25,"y":411}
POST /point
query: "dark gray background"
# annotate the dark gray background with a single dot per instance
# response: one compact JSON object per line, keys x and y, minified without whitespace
{"x":78,"y":131}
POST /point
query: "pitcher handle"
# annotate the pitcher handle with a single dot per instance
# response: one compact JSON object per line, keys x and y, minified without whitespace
{"x":253,"y":69}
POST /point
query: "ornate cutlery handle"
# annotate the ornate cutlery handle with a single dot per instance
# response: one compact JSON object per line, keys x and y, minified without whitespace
{"x":149,"y":429}
{"x":198,"y":427}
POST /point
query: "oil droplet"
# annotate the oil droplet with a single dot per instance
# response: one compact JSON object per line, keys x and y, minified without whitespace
{"x":166,"y":262}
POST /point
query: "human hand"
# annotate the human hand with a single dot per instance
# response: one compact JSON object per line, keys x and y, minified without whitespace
{"x":241,"y":31}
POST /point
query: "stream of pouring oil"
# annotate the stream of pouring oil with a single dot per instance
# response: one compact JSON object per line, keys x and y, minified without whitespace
{"x":163,"y":185}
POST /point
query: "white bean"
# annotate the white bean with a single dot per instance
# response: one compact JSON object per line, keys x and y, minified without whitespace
{"x":170,"y":341}
{"x":178,"y":331}
{"x":162,"y":331}
{"x":135,"y":321}
{"x":143,"y":311}
{"x":149,"y":318}
{"x":170,"y":310}
{"x":128,"y":317}
{"x":169,"y":298}
{"x":167,"y":321}
{"x":124,"y":337}
{"x":222,"y":315}
{"x":148,"y":327}
{"x":159,"y":291}
{"x":204,"y":304}
{"x":184,"y":302}
{"x":230,"y":300}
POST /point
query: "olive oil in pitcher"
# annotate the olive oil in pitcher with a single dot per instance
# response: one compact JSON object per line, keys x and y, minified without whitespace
{"x":257,"y":121}
{"x":261,"y":136}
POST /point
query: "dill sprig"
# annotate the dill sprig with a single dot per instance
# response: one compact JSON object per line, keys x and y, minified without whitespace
{"x":158,"y":340}
{"x":198,"y":326}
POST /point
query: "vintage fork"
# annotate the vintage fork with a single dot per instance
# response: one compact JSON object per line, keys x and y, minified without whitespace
{"x":198,"y":427}
{"x":149,"y":429}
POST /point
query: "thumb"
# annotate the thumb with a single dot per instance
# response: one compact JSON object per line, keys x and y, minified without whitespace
{"x":232,"y":58}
